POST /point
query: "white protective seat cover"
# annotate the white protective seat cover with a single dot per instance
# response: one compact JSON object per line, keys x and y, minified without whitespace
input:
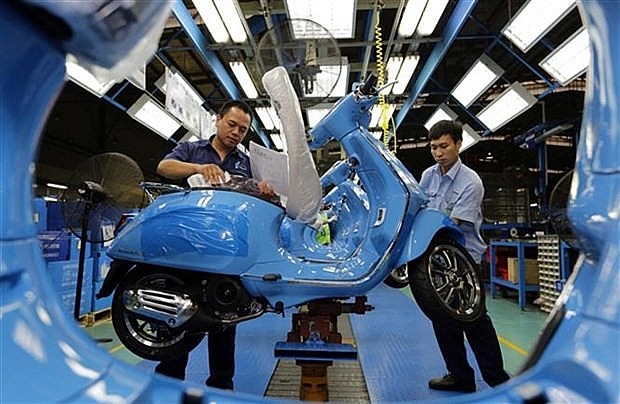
{"x":304,"y":186}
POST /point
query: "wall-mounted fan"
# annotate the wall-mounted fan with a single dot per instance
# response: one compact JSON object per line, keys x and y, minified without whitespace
{"x":309,"y":53}
{"x":100,"y":190}
{"x":558,"y":216}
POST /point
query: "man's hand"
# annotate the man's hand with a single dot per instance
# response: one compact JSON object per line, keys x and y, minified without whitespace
{"x":212,"y":173}
{"x":266,"y":189}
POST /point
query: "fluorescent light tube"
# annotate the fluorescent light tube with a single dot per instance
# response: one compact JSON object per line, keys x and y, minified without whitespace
{"x":212,"y":20}
{"x":56,"y":186}
{"x":404,"y":73}
{"x":274,"y":117}
{"x":511,"y":103}
{"x":265,"y":117}
{"x":278,"y":142}
{"x":432,"y":13}
{"x":411,"y":17}
{"x":337,"y":17}
{"x":150,"y":114}
{"x":232,"y":19}
{"x":442,"y":113}
{"x":569,"y":60}
{"x":244,"y":79}
{"x":534,"y":20}
{"x":477,"y":80}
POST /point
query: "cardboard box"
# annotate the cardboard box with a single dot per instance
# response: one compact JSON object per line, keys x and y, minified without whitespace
{"x":531,"y":271}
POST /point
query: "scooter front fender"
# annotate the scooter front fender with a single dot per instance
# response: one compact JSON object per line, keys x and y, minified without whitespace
{"x":427,"y":224}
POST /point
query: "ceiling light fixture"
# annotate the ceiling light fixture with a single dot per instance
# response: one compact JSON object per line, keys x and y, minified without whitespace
{"x":244,"y":79}
{"x":150,"y":114}
{"x":534,"y":20}
{"x":222,"y":19}
{"x":399,"y":70}
{"x":511,"y":103}
{"x":480,"y":76}
{"x":470,"y":138}
{"x":269,"y":118}
{"x":442,"y":113}
{"x":337,"y":17}
{"x":569,"y":60}
{"x":85,"y":79}
{"x":56,"y":186}
{"x":411,"y":17}
{"x":432,"y":13}
{"x":278,"y":142}
{"x":421,"y":16}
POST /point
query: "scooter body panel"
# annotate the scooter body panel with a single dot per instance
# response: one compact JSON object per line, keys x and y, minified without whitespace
{"x":202,"y":230}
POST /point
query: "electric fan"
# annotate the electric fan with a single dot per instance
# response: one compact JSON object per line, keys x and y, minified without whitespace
{"x":99,"y":191}
{"x":310,"y":55}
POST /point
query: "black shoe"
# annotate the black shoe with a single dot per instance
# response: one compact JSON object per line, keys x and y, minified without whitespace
{"x":219,"y":383}
{"x":449,"y":383}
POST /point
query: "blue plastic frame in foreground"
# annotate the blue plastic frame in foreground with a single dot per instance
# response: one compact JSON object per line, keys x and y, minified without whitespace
{"x":44,"y":357}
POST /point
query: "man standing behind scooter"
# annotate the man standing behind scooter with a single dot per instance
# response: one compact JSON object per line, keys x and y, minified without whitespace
{"x":457,"y":190}
{"x":212,"y":158}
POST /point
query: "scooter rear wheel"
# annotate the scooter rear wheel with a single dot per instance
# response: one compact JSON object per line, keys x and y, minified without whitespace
{"x":149,"y":338}
{"x":398,"y":278}
{"x":446,"y":284}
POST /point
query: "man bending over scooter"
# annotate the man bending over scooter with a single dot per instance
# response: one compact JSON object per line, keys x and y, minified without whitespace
{"x":212,"y":158}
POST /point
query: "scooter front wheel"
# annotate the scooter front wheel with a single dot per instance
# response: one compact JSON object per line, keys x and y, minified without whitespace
{"x":446,"y":284}
{"x":147,"y":337}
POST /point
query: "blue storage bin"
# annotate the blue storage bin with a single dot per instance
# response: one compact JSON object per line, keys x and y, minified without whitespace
{"x":67,"y":300}
{"x":39,"y":214}
{"x":63,"y":275}
{"x":55,"y":245}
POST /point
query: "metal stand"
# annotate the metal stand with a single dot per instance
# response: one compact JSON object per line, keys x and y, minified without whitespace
{"x":314,"y":342}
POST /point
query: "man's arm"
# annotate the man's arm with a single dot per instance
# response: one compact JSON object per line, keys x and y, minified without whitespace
{"x":175,"y":169}
{"x":468,"y":205}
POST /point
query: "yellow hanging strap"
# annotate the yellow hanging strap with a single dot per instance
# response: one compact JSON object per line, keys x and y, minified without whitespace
{"x":384,"y":121}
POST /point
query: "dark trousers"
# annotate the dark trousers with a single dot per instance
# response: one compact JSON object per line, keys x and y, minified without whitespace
{"x":483,"y":341}
{"x":221,"y":346}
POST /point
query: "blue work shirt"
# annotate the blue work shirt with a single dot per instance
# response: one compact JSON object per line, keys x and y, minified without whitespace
{"x":459,"y":195}
{"x":202,"y":152}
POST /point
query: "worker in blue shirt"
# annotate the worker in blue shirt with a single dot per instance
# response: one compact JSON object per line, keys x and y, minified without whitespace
{"x":457,"y":190}
{"x":212,"y":158}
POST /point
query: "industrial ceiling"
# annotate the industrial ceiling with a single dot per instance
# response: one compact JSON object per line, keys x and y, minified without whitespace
{"x":82,"y":125}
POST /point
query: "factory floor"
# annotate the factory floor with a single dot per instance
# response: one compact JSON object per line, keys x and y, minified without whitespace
{"x":397,"y":352}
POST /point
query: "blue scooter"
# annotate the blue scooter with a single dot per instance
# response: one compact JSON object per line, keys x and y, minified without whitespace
{"x":198,"y":259}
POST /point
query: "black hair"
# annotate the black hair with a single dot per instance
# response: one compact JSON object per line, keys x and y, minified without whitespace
{"x":235,"y":104}
{"x":452,"y":128}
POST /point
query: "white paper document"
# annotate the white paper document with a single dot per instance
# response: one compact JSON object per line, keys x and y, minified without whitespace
{"x":270,"y":166}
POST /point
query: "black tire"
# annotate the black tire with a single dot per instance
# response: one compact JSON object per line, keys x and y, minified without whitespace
{"x":148,"y":338}
{"x":398,"y":278}
{"x":446,"y":284}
